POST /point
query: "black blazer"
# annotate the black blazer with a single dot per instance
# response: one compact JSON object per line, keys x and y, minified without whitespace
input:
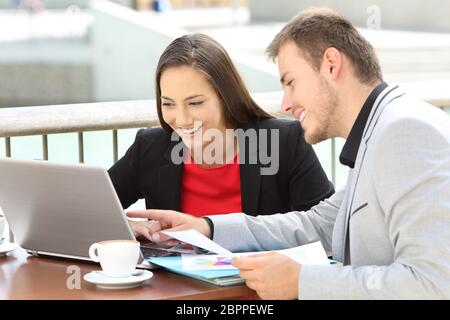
{"x":146,"y":171}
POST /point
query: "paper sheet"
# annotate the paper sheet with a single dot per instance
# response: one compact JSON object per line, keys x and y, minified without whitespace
{"x":312,"y":253}
{"x":206,"y":262}
{"x":199,"y":240}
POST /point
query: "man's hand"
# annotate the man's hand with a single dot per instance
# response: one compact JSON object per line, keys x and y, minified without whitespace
{"x":272,"y":275}
{"x":144,"y":229}
{"x":169,"y":220}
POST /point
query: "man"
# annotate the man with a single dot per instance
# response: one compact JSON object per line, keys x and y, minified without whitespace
{"x":390,"y":226}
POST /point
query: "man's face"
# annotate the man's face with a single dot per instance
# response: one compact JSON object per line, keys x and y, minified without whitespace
{"x":307,"y":94}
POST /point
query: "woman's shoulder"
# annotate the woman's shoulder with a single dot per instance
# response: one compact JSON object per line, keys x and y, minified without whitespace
{"x":154,"y":138}
{"x":152,"y":133}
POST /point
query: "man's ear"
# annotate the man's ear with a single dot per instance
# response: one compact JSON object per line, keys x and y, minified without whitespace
{"x":332,"y":63}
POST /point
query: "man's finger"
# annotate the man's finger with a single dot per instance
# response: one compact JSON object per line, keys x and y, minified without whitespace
{"x":153,"y":214}
{"x":248,"y":275}
{"x":249,"y":263}
{"x":159,"y":236}
{"x":152,"y":226}
{"x":181,"y":227}
{"x":147,"y":235}
{"x":257,"y":254}
{"x":251,"y":284}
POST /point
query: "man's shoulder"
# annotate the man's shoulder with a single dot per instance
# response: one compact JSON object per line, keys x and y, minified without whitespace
{"x":411,"y":114}
{"x":412,"y":128}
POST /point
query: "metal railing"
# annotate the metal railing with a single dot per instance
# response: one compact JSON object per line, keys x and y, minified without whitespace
{"x":75,"y":118}
{"x":80,"y":118}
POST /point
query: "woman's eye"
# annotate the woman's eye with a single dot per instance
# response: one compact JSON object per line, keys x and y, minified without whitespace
{"x":289,"y":83}
{"x":167,"y":104}
{"x":195,"y":103}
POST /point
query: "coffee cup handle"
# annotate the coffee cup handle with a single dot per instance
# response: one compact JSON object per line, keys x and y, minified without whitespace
{"x":93,"y":254}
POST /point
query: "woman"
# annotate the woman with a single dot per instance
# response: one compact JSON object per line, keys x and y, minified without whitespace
{"x":221,"y":164}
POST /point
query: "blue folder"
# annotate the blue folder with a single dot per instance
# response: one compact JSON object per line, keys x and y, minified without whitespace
{"x":217,"y":277}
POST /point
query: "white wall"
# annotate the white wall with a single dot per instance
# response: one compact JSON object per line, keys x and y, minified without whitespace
{"x":126,"y":46}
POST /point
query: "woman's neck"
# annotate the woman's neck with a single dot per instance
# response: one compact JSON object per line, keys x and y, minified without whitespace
{"x":216,"y":154}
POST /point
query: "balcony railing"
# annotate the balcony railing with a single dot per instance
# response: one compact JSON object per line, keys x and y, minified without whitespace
{"x":80,"y":118}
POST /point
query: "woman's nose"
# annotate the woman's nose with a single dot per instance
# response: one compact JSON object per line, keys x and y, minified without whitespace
{"x":183,"y":118}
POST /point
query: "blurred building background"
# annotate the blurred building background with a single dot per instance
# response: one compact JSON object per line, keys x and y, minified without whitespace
{"x":76,"y":51}
{"x":414,"y":15}
{"x":69,"y":51}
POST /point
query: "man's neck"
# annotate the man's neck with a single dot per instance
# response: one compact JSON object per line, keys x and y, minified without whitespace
{"x":351,"y":102}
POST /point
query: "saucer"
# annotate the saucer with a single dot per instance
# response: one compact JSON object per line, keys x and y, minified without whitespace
{"x":106,"y":282}
{"x":7,"y":247}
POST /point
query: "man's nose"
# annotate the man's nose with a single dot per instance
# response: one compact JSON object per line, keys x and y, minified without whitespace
{"x":286,"y":104}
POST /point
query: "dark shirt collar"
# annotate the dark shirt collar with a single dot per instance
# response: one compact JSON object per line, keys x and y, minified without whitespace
{"x":351,"y":146}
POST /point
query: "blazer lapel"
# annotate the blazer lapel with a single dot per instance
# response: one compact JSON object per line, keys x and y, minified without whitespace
{"x":250,"y":174}
{"x":349,"y":208}
{"x":250,"y":186}
{"x":387,"y":96}
{"x":169,"y":181}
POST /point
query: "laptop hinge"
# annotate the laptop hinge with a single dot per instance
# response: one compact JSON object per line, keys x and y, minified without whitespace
{"x":34,"y":253}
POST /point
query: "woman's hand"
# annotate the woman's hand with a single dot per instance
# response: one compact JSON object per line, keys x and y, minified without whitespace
{"x":168,"y":220}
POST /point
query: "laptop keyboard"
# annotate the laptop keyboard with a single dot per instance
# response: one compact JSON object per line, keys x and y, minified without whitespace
{"x":151,"y":252}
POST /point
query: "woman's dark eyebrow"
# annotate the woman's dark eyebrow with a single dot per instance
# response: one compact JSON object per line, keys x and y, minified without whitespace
{"x":166,"y":98}
{"x":194,"y":96}
{"x":188,"y":98}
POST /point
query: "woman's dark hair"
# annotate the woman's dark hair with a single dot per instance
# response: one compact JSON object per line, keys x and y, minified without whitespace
{"x":203,"y":53}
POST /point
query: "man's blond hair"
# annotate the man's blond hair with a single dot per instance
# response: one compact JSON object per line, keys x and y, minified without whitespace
{"x":316,"y":29}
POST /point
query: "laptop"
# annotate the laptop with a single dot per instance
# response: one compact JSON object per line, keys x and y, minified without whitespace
{"x":59,"y":210}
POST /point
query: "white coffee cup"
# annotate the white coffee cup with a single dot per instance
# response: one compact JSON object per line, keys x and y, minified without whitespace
{"x":118,"y":258}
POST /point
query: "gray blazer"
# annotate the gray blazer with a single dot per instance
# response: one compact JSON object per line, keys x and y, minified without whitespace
{"x":390,"y":226}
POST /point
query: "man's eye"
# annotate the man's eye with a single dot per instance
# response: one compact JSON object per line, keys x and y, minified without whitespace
{"x":289,"y":83}
{"x":195,"y":103}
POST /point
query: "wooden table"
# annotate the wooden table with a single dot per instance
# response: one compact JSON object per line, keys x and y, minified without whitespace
{"x":26,"y":277}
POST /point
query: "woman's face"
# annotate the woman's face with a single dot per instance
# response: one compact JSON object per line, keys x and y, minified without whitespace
{"x":190,"y":105}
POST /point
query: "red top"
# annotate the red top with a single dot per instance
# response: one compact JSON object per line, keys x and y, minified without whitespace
{"x":208,"y":191}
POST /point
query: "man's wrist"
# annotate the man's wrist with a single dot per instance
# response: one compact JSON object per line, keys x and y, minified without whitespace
{"x":210,"y":227}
